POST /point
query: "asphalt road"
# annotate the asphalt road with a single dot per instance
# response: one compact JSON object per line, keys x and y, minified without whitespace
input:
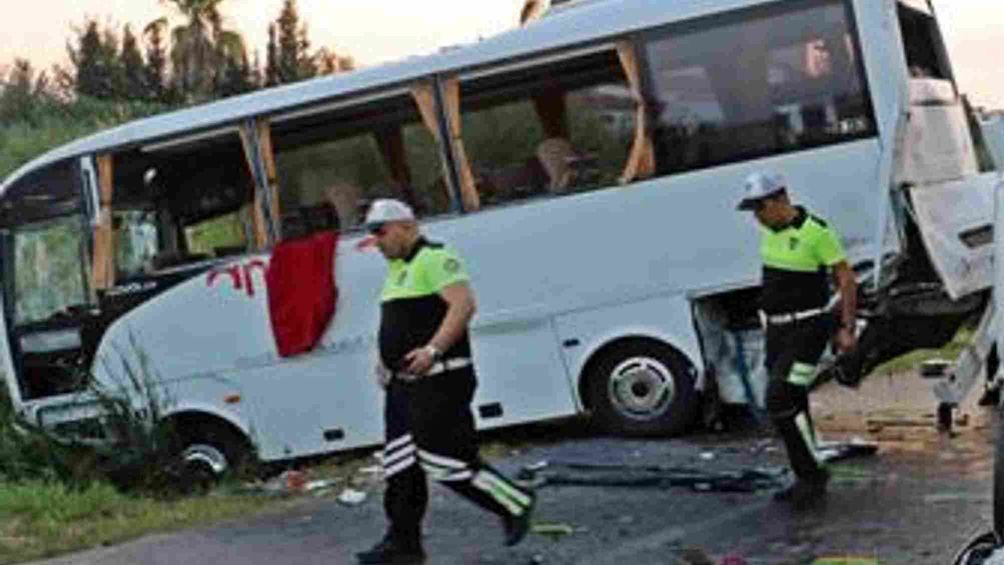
{"x":915,"y":502}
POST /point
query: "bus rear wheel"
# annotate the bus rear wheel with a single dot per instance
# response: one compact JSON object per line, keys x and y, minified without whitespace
{"x":642,"y":388}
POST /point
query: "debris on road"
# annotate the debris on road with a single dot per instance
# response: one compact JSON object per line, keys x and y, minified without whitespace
{"x":320,"y":486}
{"x":351,"y":497}
{"x":552,"y":529}
{"x":699,"y":480}
{"x":831,"y":451}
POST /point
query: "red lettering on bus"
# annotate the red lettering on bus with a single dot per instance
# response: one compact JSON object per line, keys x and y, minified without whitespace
{"x":241,"y":276}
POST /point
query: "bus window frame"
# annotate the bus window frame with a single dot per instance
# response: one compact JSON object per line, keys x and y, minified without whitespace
{"x":752,"y":13}
{"x":167,"y":150}
{"x":934,"y":33}
{"x":607,"y":44}
{"x":376,"y":97}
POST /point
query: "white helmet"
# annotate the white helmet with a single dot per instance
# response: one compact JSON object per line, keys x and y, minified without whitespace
{"x":385,"y":210}
{"x":758,"y":186}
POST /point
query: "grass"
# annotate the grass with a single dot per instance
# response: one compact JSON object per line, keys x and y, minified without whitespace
{"x":912,"y":360}
{"x":44,"y":519}
{"x":40,"y":519}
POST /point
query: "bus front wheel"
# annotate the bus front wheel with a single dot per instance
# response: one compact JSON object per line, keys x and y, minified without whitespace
{"x":642,"y":388}
{"x":209,"y":452}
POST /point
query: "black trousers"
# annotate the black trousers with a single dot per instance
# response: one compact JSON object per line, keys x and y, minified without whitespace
{"x":793,"y":350}
{"x":430,"y":432}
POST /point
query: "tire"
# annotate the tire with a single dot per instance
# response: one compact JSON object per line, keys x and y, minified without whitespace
{"x":978,"y":550}
{"x":207,"y":453}
{"x":642,"y":388}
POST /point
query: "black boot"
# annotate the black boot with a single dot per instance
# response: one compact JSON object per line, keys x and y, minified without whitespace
{"x":991,"y":396}
{"x":516,"y":527}
{"x":390,"y":551}
{"x":804,"y":493}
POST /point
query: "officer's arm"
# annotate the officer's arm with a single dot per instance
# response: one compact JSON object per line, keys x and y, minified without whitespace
{"x":460,"y":309}
{"x":848,"y":288}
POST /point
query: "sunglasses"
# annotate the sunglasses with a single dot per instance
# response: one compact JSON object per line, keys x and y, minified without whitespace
{"x":378,"y":229}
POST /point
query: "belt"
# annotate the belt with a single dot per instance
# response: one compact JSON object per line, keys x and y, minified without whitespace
{"x":437,"y":368}
{"x":791,"y":317}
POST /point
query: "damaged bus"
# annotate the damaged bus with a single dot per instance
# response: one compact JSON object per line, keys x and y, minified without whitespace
{"x":587,"y":165}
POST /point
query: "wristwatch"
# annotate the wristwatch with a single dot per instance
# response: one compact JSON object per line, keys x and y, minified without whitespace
{"x":434,"y":352}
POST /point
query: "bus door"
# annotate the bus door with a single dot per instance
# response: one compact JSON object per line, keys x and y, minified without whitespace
{"x":46,"y":281}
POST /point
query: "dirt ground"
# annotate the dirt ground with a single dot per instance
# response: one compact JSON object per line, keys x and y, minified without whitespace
{"x":915,"y":502}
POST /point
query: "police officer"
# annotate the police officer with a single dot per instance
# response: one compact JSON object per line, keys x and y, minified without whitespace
{"x":425,"y":366}
{"x":800,"y":252}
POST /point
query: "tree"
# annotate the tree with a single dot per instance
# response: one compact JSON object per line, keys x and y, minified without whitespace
{"x":235,"y":77}
{"x":155,"y":71}
{"x":18,"y":88}
{"x":133,"y":68}
{"x":200,"y":45}
{"x":272,"y":59}
{"x":293,"y":59}
{"x":113,"y":64}
{"x":89,"y":58}
{"x":328,"y":62}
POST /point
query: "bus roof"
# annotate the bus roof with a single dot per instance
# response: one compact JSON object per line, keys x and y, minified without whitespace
{"x":576,"y":23}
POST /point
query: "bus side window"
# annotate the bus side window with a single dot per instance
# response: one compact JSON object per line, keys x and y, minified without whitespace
{"x":332,"y":161}
{"x":772,"y":81}
{"x":178,"y":205}
{"x":553,"y":129}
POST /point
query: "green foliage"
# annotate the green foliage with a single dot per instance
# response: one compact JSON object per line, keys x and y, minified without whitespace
{"x":40,"y":518}
{"x":155,"y":68}
{"x":223,"y":231}
{"x":289,"y":57}
{"x":294,"y":64}
{"x":47,"y":123}
{"x":99,"y":72}
{"x":130,"y":445}
{"x":134,"y":73}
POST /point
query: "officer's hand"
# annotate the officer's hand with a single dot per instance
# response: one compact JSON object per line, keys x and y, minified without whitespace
{"x":845,"y":340}
{"x":381,"y":374}
{"x":419,"y":361}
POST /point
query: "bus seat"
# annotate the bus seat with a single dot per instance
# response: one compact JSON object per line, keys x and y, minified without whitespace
{"x":564,"y":165}
{"x":307,"y":220}
{"x":344,"y":197}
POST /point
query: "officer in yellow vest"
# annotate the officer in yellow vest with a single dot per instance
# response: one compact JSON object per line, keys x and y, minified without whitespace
{"x":800,"y":254}
{"x":425,"y":366}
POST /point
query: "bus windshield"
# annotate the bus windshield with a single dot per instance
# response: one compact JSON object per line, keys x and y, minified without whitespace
{"x":50,"y":269}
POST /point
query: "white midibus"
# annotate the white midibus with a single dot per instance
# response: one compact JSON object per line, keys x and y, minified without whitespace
{"x":586,"y":165}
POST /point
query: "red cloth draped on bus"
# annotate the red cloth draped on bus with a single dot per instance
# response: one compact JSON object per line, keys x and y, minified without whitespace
{"x":301,"y":291}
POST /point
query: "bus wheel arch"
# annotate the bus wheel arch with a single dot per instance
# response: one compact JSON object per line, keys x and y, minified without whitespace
{"x":206,"y":447}
{"x":640,"y":386}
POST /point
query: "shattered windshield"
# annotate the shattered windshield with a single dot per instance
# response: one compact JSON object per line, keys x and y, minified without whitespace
{"x":49,"y":270}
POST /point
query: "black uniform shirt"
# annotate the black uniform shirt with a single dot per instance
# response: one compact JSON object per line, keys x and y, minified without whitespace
{"x":411,"y":306}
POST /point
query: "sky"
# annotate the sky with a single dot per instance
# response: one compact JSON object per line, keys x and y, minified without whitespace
{"x":374,"y":31}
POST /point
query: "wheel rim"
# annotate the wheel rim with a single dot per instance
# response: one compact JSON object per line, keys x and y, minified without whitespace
{"x":205,"y":458}
{"x":641,"y":388}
